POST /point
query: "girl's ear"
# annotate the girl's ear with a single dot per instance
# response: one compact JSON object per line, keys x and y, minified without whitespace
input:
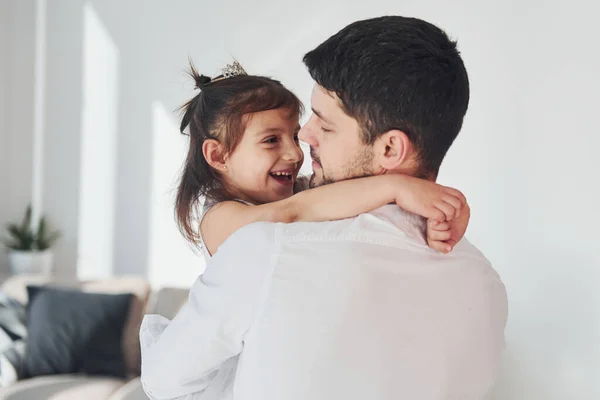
{"x":213,"y":154}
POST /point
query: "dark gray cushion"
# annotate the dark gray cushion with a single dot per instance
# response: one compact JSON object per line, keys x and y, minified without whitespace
{"x":71,"y":331}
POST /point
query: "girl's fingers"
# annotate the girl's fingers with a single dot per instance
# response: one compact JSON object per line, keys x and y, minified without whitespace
{"x":454,"y":202}
{"x":439,"y":235}
{"x":446,"y":208}
{"x":442,"y":247}
{"x":456,"y":193}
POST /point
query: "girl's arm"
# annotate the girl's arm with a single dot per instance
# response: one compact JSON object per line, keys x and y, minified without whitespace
{"x":336,"y":201}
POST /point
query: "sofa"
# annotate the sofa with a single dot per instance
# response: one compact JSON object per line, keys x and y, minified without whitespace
{"x":165,"y":301}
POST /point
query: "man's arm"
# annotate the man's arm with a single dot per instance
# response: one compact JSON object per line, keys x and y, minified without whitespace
{"x":184,"y":358}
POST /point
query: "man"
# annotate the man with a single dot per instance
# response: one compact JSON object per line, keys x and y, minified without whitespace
{"x":360,"y":308}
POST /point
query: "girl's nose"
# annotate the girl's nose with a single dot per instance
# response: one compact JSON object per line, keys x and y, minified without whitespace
{"x":293,"y":153}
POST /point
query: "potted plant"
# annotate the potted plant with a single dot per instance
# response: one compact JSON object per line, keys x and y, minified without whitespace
{"x":28,"y":249}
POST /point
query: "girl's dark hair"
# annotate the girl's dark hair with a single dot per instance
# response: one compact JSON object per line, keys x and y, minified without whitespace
{"x":219,"y":112}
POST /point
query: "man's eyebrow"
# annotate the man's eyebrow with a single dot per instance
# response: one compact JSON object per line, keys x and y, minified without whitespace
{"x":318,"y":114}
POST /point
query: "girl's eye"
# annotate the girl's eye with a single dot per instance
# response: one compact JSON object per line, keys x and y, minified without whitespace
{"x":325,"y":130}
{"x":296,"y":138}
{"x":271,"y":140}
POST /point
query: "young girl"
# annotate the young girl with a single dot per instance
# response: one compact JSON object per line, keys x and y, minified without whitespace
{"x":244,"y":158}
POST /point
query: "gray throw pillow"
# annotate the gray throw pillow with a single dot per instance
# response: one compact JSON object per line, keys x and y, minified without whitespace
{"x":73,"y":332}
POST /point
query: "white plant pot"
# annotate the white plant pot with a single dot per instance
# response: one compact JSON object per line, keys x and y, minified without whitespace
{"x":30,"y":262}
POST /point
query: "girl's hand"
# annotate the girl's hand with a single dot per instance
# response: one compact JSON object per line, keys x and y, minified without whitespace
{"x":430,"y":200}
{"x":443,"y":236}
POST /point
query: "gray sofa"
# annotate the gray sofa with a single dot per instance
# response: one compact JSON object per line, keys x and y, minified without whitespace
{"x":166,"y":302}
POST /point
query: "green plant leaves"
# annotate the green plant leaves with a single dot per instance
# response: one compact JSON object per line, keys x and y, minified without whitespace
{"x":22,"y":237}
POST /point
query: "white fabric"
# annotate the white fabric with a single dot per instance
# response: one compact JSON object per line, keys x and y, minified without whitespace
{"x":208,"y":204}
{"x":221,"y":387}
{"x":353,"y":309}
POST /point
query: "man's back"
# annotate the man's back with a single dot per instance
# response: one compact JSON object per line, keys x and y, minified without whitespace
{"x":363,"y":309}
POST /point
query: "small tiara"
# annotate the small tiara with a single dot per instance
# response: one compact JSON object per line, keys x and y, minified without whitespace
{"x":230,"y":71}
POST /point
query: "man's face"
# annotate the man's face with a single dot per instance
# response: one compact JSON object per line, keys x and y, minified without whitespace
{"x":336,"y":147}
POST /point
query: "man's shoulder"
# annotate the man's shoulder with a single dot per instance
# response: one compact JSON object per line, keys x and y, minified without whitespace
{"x":253,"y":235}
{"x":252,"y":246}
{"x":468,"y":251}
{"x":273,"y":233}
{"x":476,"y":268}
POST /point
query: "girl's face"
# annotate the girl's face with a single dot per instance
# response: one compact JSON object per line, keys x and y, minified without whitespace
{"x":265,"y":164}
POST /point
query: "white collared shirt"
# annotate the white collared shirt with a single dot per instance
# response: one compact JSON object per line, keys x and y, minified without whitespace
{"x":355,"y":309}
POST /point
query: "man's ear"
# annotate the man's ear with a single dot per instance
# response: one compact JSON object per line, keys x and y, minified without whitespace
{"x":213,"y":154}
{"x":393,"y":151}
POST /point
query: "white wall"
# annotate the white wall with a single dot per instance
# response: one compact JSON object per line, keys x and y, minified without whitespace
{"x":62,"y":139}
{"x":524,"y":159}
{"x":527,"y":159}
{"x":4,"y":59}
{"x":16,"y":122}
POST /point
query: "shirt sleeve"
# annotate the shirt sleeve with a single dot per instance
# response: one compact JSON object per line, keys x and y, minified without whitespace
{"x":182,"y":357}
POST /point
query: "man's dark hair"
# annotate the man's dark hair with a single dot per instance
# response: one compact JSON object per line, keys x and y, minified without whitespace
{"x":400,"y":73}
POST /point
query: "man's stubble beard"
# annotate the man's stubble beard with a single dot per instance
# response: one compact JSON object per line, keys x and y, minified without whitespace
{"x":359,"y":167}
